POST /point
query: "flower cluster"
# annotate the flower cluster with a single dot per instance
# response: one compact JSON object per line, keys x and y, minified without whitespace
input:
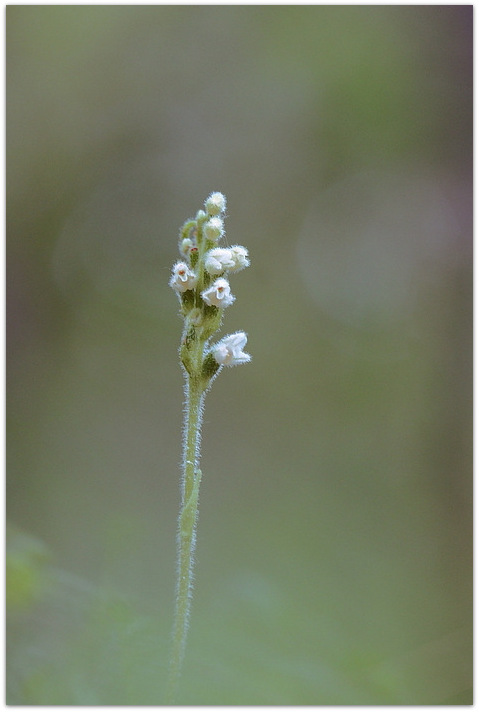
{"x":200,"y":280}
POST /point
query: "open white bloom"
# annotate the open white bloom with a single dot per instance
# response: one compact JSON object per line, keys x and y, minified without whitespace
{"x":215,"y":204}
{"x":219,"y":294}
{"x":239,"y":256}
{"x":214,"y":229}
{"x":182,"y":278}
{"x":232,"y":259}
{"x":229,"y":351}
{"x":218,"y":260}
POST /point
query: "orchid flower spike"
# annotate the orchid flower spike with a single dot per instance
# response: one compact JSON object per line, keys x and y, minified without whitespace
{"x":199,"y":281}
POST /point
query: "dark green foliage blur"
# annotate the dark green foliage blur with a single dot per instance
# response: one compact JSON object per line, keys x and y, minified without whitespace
{"x":334,"y":542}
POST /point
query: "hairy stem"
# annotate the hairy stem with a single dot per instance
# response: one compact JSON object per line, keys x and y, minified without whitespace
{"x":186,"y":527}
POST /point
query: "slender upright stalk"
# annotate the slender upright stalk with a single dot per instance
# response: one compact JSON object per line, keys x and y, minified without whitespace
{"x":204,"y":292}
{"x":186,"y":528}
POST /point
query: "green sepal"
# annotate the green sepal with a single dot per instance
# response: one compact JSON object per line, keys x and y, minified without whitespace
{"x":210,"y":244}
{"x":185,"y":358}
{"x":185,"y":349}
{"x":212,"y":321}
{"x":187,"y":300}
{"x":210,"y":367}
{"x":194,"y":256}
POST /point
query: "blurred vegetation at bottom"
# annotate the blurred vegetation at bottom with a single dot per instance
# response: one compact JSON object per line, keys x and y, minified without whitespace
{"x":271,"y":652}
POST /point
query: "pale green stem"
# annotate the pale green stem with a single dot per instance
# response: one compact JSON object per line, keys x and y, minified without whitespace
{"x":186,"y":527}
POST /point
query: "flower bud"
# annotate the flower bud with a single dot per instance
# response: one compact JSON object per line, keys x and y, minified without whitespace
{"x":213,"y":229}
{"x":215,"y":204}
{"x":185,"y":245}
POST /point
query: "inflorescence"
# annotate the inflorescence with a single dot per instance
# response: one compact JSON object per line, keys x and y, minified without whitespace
{"x":200,"y":280}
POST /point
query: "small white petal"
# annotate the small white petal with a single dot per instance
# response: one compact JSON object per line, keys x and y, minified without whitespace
{"x":239,"y":257}
{"x":222,"y":355}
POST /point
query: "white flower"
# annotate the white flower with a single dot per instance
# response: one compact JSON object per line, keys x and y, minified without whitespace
{"x":218,"y":260}
{"x":215,"y":204}
{"x":232,"y":259}
{"x":239,"y":256}
{"x":229,"y":351}
{"x":186,"y":245}
{"x":182,"y":278}
{"x":219,"y":294}
{"x":214,"y":229}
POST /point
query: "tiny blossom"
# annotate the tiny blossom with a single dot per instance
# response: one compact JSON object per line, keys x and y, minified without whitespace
{"x":182,"y":278}
{"x":186,"y":245}
{"x":239,"y":257}
{"x":219,"y":294}
{"x":218,"y":260}
{"x":215,"y":204}
{"x":214,"y":229}
{"x":229,"y":351}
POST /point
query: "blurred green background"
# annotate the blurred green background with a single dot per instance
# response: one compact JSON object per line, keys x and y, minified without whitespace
{"x":334,"y":543}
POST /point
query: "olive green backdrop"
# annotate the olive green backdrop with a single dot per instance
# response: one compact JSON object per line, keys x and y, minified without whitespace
{"x":334,"y":543}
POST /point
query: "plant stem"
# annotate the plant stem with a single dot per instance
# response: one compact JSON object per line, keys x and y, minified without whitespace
{"x":186,"y":527}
